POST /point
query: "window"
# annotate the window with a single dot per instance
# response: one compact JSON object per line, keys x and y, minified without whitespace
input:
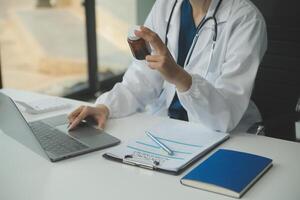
{"x":44,"y":49}
{"x":114,"y":18}
{"x":43,"y":46}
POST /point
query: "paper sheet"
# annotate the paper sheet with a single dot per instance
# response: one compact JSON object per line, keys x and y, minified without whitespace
{"x":187,"y":140}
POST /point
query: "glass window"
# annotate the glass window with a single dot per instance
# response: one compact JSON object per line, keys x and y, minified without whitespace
{"x":114,"y":17}
{"x":43,"y":42}
{"x":43,"y":45}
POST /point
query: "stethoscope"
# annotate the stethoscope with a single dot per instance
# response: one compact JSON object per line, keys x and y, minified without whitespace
{"x":199,"y":27}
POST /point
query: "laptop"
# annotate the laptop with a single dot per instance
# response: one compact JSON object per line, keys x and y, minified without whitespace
{"x":51,"y":135}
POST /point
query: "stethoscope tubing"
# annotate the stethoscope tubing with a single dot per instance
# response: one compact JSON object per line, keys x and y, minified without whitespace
{"x":200,"y":26}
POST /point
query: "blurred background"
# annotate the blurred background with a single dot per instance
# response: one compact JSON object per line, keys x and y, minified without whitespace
{"x":43,"y":43}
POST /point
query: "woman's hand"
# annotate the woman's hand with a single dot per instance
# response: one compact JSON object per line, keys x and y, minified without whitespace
{"x":100,"y":113}
{"x":164,"y":62}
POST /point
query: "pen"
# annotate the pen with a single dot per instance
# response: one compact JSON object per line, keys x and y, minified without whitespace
{"x":163,"y":146}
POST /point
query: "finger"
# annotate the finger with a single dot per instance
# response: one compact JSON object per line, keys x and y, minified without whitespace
{"x":101,"y":122}
{"x":84,"y":113}
{"x":154,"y":65}
{"x":152,"y":35}
{"x":152,"y":38}
{"x":72,"y":119}
{"x":153,"y":58}
{"x":76,"y":112}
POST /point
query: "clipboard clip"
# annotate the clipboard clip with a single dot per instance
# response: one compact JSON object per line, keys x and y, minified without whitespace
{"x":129,"y":159}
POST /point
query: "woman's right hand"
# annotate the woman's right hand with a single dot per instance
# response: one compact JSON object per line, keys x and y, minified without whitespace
{"x":100,"y":113}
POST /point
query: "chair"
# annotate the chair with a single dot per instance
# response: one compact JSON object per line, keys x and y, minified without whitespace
{"x":277,"y":85}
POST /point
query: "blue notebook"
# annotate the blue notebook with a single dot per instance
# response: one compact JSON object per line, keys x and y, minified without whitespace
{"x":227,"y":172}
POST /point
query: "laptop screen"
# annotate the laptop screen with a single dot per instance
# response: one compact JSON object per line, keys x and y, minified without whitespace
{"x":13,"y":124}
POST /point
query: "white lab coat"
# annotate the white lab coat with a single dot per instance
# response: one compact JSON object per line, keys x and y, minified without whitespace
{"x":219,"y":96}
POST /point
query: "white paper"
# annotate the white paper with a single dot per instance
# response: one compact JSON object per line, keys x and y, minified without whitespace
{"x":187,"y":141}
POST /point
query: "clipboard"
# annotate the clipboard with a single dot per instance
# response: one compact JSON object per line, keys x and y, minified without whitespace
{"x":188,"y":140}
{"x":130,"y":160}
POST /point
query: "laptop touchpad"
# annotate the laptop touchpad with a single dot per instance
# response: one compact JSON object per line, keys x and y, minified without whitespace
{"x":86,"y":134}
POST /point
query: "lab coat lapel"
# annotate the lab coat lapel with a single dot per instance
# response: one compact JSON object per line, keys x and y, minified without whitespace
{"x":222,"y":13}
{"x":174,"y":28}
{"x":204,"y":43}
{"x":173,"y":36}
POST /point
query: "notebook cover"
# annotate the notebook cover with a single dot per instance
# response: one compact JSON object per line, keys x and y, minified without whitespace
{"x":229,"y":169}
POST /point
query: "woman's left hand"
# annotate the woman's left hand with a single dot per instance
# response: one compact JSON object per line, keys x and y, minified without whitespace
{"x":164,"y":62}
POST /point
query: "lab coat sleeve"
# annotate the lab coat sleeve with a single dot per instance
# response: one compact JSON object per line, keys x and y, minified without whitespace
{"x":221,"y":105}
{"x":140,"y":86}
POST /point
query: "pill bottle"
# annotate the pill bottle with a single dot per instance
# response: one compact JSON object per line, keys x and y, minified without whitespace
{"x":138,"y":46}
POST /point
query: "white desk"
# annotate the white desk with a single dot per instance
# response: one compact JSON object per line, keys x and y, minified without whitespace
{"x":24,"y":175}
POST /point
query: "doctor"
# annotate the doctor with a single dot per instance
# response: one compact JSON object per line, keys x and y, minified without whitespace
{"x":204,"y":62}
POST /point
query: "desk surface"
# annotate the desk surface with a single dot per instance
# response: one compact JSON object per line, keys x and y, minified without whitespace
{"x":26,"y":175}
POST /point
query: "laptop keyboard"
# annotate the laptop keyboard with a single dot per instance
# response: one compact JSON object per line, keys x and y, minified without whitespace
{"x":55,"y":141}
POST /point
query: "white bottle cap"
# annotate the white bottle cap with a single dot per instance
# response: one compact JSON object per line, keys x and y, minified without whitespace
{"x":131,"y":34}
